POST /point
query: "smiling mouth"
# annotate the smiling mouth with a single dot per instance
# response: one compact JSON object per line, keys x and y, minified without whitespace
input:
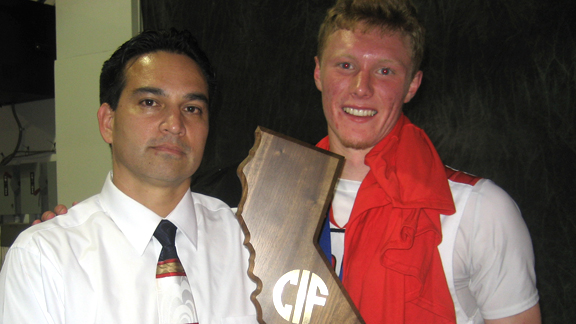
{"x":360,"y":112}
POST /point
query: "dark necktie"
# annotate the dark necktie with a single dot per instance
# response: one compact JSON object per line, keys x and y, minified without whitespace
{"x":175,"y":302}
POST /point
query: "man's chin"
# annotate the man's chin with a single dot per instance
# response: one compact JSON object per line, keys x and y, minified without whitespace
{"x":352,"y":140}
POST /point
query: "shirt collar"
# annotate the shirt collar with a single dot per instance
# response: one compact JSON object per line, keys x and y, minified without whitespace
{"x":184,"y":217}
{"x":138,"y":223}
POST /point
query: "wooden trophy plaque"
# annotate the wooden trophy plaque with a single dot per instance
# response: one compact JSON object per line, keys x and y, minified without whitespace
{"x":287,"y":188}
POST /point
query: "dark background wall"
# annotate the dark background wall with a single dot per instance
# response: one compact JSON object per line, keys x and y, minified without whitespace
{"x":498,"y":100}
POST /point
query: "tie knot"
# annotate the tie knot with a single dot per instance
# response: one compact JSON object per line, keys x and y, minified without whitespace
{"x":165,"y":233}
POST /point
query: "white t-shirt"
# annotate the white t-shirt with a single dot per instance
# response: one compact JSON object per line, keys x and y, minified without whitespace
{"x":489,"y":248}
{"x":97,"y":264}
{"x":486,"y":250}
{"x":342,"y":203}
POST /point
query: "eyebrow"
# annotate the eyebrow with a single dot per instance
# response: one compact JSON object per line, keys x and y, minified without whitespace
{"x":150,"y":90}
{"x":197,"y":96}
{"x":159,"y":92}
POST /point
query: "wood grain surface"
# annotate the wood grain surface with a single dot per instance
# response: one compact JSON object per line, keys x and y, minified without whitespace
{"x":287,"y":188}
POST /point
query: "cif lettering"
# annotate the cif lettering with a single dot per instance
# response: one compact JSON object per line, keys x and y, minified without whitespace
{"x":309,"y":284}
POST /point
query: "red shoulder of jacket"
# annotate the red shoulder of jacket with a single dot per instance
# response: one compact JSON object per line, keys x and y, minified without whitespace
{"x":461,"y":177}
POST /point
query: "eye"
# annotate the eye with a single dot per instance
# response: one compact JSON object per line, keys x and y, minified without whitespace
{"x":345,"y":65}
{"x":148,"y":102}
{"x":384,"y":71}
{"x":193,"y":109}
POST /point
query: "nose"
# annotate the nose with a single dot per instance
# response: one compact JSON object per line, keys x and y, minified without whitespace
{"x":173,"y":122}
{"x":361,"y":85}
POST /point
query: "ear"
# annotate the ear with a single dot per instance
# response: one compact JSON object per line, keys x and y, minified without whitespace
{"x":106,"y":122}
{"x":317,"y":73}
{"x":414,"y":85}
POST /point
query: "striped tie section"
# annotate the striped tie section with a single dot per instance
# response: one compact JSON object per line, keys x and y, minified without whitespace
{"x":175,"y":301}
{"x":169,"y":268}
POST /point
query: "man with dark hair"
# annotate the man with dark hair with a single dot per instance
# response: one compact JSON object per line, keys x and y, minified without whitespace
{"x":146,"y":249}
{"x":113,"y":79}
{"x":388,"y":215}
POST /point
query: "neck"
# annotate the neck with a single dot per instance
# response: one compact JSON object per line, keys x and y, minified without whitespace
{"x":354,"y":167}
{"x":160,"y":199}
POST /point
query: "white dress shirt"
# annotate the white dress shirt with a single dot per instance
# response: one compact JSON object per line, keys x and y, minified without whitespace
{"x":97,"y":264}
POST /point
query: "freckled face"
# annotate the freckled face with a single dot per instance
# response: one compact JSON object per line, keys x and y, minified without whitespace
{"x":160,"y":126}
{"x":365,"y":78}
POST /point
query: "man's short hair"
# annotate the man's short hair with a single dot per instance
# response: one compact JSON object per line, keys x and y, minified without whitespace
{"x":113,"y":75}
{"x":385,"y":15}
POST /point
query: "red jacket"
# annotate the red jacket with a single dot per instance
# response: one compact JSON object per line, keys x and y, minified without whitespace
{"x":391,"y":267}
